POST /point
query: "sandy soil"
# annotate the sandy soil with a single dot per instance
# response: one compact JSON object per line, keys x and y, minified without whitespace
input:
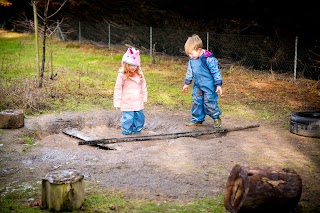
{"x":171,"y":169}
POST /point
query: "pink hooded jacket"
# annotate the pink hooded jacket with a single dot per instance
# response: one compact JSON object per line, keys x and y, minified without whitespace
{"x":131,"y":93}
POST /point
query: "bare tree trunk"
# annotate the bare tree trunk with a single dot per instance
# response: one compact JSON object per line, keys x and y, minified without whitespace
{"x":36,"y":34}
{"x":43,"y":62}
{"x":45,"y":26}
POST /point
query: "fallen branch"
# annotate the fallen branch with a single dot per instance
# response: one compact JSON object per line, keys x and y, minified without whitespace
{"x":163,"y":136}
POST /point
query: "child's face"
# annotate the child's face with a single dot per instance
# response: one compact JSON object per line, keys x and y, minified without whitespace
{"x":195,"y":54}
{"x":132,"y":68}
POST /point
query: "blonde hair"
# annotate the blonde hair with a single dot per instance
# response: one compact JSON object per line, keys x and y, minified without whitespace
{"x":193,"y":43}
{"x":126,"y":70}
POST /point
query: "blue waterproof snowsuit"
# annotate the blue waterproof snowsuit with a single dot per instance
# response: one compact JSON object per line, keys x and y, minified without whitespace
{"x":205,"y":72}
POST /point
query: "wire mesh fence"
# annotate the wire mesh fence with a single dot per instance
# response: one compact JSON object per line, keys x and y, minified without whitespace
{"x":277,"y":54}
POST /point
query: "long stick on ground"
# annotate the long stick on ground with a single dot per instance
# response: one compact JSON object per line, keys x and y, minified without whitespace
{"x":163,"y":136}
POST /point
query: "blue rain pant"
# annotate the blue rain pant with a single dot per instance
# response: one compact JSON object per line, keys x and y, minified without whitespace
{"x":204,"y":102}
{"x":132,"y":122}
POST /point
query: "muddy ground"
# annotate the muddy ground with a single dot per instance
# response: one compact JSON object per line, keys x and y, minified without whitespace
{"x":172,"y":169}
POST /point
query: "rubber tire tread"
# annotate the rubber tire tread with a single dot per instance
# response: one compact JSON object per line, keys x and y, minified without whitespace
{"x":305,"y":123}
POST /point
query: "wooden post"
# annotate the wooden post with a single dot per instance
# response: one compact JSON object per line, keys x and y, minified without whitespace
{"x":62,"y":191}
{"x":262,"y":189}
{"x":11,"y":119}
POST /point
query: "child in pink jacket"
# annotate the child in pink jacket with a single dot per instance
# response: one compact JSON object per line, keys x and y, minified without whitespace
{"x":130,"y":93}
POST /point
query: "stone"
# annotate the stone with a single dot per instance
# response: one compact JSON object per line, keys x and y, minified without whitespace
{"x":11,"y":119}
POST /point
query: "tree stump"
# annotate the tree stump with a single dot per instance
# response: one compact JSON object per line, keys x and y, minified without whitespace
{"x":62,"y":191}
{"x":11,"y":119}
{"x":262,"y":189}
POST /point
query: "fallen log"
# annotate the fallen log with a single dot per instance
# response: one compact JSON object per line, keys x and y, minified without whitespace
{"x":164,"y":136}
{"x":262,"y":189}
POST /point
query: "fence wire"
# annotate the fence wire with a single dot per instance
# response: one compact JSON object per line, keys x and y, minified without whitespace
{"x":275,"y":54}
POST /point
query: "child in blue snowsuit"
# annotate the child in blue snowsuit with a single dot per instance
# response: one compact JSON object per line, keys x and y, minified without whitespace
{"x":204,"y":70}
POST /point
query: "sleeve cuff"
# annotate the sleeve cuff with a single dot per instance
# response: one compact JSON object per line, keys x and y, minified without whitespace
{"x":187,"y":82}
{"x":218,"y":83}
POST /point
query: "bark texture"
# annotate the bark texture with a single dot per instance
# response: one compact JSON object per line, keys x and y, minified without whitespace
{"x":262,"y":189}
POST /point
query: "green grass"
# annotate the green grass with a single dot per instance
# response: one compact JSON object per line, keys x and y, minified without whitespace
{"x":28,"y":140}
{"x":85,"y":77}
{"x":28,"y":199}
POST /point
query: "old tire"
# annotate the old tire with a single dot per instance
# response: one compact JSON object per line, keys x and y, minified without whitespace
{"x":305,"y":124}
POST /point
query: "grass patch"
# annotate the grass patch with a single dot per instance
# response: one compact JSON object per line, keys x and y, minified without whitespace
{"x":28,"y":143}
{"x":28,"y":199}
{"x":19,"y":198}
{"x":85,"y":78}
{"x":28,"y":140}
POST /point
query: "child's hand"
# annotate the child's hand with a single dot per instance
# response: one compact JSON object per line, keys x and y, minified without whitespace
{"x":117,"y":108}
{"x":185,"y":88}
{"x":219,"y":90}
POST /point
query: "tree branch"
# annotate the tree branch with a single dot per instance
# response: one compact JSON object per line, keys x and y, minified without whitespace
{"x":57,"y":9}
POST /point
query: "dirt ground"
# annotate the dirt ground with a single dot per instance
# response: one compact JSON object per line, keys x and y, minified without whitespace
{"x":176,"y":169}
